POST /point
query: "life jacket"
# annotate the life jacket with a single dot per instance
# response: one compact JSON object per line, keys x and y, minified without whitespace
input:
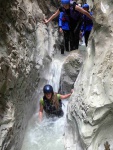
{"x":74,"y":18}
{"x":50,"y":108}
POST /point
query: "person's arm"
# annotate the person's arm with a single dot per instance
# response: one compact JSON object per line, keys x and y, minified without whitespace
{"x":52,"y":17}
{"x":41,"y":112}
{"x":81,"y":10}
{"x":60,"y":22}
{"x":66,"y":95}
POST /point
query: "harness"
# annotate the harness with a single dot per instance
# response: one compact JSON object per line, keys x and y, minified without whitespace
{"x":50,"y":108}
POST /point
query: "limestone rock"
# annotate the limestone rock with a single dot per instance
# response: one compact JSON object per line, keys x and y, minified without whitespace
{"x":70,"y":70}
{"x":90,"y":115}
{"x":26,"y":45}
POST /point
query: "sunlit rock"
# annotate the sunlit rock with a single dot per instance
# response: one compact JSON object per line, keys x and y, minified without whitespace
{"x":90,"y":112}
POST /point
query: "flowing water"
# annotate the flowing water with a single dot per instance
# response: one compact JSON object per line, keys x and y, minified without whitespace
{"x":47,"y":135}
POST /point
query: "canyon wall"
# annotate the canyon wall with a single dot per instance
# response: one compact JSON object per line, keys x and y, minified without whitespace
{"x":90,"y":112}
{"x":26,"y":49}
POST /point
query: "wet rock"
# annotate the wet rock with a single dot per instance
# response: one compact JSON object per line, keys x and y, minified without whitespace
{"x":92,"y":116}
{"x":26,"y":45}
{"x":70,"y":70}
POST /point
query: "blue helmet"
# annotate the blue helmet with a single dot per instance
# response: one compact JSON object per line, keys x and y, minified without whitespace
{"x":48,"y":89}
{"x":65,"y":1}
{"x":85,"y":6}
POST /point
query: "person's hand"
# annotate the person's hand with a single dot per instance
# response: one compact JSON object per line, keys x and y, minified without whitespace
{"x":61,"y":31}
{"x":72,"y":90}
{"x":45,"y":21}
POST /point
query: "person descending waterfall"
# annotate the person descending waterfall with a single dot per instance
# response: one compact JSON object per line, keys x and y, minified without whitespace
{"x":87,"y":24}
{"x":73,"y":14}
{"x":51,"y":102}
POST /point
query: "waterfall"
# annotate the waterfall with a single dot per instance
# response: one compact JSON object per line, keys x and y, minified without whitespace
{"x":48,"y":134}
{"x":55,"y":73}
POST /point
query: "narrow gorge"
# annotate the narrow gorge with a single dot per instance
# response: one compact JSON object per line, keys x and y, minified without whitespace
{"x":30,"y":57}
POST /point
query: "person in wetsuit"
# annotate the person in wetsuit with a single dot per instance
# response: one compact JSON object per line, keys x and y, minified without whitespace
{"x":73,"y":14}
{"x":87,"y":24}
{"x":51,"y":103}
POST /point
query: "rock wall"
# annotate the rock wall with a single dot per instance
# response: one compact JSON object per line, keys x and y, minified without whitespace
{"x":26,"y":48}
{"x":90,"y":112}
{"x":70,"y":70}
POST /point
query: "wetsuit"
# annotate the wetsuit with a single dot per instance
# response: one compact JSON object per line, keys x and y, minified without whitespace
{"x":50,"y":108}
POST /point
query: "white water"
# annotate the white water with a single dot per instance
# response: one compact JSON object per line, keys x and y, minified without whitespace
{"x":55,"y":73}
{"x":47,"y":135}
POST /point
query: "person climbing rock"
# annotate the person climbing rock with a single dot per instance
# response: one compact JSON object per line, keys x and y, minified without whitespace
{"x":64,"y":28}
{"x":73,"y":13}
{"x":51,"y":102}
{"x":87,"y":24}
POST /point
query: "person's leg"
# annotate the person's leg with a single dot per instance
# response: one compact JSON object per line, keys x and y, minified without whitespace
{"x":77,"y":34}
{"x":71,"y":40}
{"x":86,"y":35}
{"x":76,"y":38}
{"x":62,"y":48}
{"x":66,"y":39}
